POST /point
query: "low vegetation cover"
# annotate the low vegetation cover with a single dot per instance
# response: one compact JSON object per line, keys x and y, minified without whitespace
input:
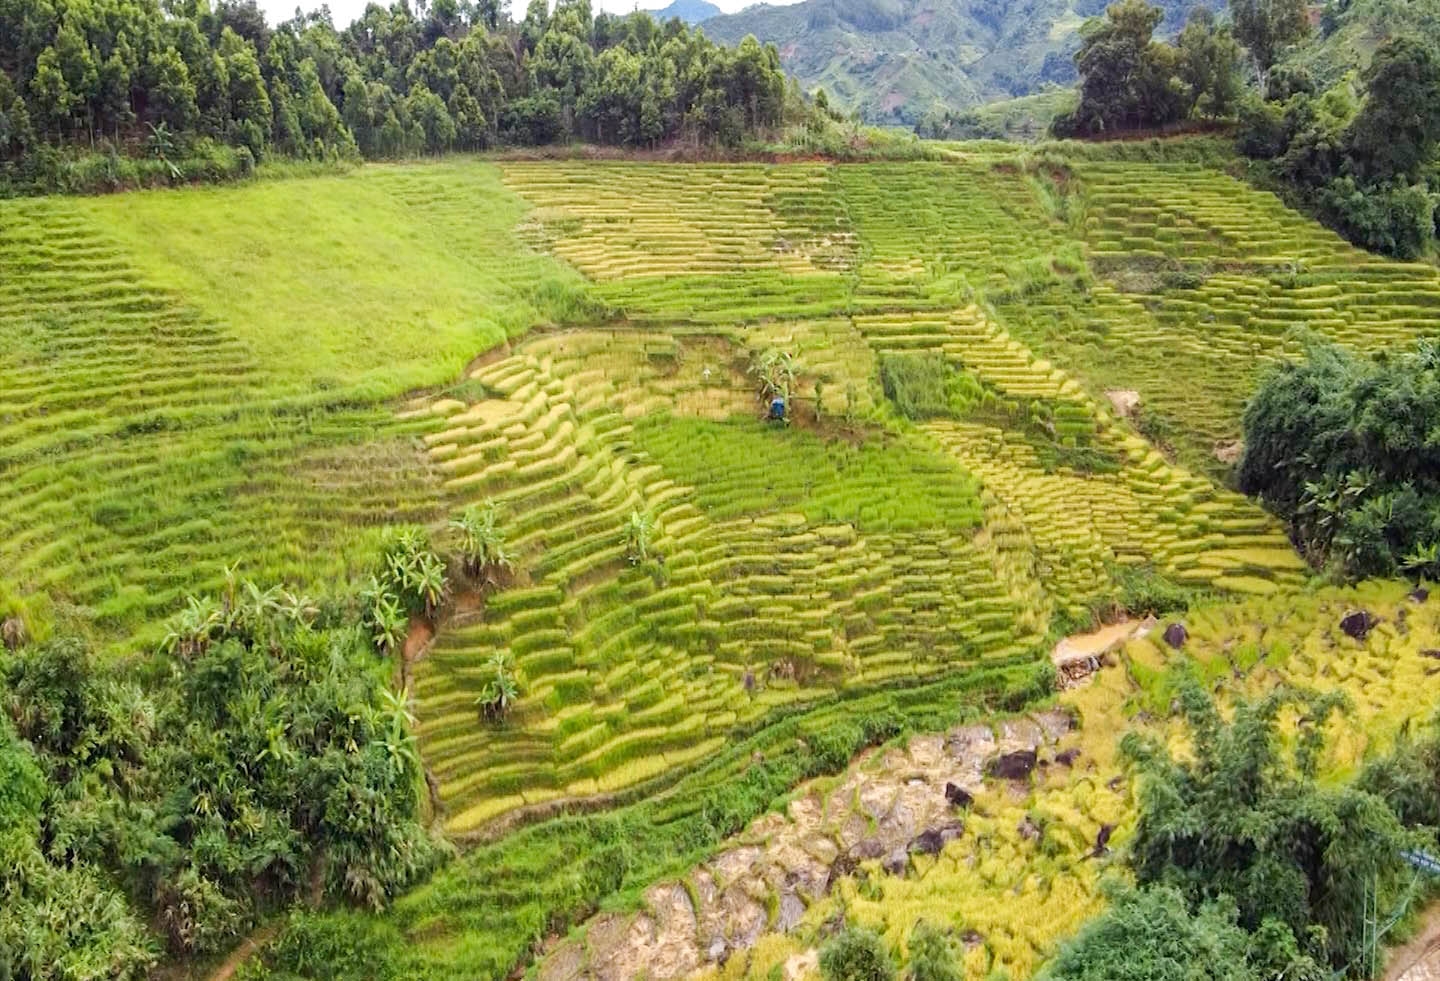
{"x":517,"y":415}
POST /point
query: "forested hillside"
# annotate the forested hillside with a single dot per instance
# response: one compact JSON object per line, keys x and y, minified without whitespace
{"x":893,"y":60}
{"x":109,"y":93}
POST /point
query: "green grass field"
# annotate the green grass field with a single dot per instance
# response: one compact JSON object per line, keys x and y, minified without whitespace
{"x":198,"y":378}
{"x":269,"y":374}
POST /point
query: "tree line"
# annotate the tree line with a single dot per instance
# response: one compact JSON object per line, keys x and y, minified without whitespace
{"x":1363,"y":154}
{"x":130,"y":77}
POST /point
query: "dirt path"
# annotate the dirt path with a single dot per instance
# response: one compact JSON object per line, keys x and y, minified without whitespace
{"x":257,"y":939}
{"x":1418,"y":960}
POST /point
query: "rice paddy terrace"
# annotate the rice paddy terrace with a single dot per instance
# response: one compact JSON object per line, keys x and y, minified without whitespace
{"x":270,"y":374}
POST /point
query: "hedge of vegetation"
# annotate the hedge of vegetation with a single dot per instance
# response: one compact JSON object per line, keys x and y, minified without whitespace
{"x":263,"y":763}
{"x":1343,"y":447}
{"x":206,"y":93}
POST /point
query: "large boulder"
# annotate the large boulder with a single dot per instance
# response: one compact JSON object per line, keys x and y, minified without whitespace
{"x":1176,"y":635}
{"x":1358,"y":623}
{"x":958,"y":796}
{"x":1012,"y":766}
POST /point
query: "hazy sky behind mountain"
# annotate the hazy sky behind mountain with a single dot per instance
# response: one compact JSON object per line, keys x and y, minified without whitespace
{"x":344,"y":11}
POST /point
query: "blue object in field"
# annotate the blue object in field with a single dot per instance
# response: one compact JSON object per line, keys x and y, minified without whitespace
{"x":777,"y":408}
{"x":1423,"y":861}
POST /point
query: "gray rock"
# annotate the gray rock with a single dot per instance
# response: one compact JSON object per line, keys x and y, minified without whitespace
{"x":1176,"y":635}
{"x":1358,"y":623}
{"x":932,"y":841}
{"x":1012,"y":766}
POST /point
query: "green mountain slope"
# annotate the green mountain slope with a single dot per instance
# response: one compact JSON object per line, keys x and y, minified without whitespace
{"x":893,"y":59}
{"x":1350,"y":31}
{"x":690,"y":11}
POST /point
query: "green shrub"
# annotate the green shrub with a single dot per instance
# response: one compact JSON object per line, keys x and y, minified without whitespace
{"x":1397,"y":220}
{"x":1145,"y":592}
{"x":856,"y":954}
{"x":926,"y":385}
{"x":1151,"y":935}
{"x":931,"y":958}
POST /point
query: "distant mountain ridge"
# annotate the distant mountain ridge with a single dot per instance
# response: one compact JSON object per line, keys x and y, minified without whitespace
{"x":893,"y":59}
{"x":690,"y":11}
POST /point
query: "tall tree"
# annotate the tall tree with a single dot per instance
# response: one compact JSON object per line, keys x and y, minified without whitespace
{"x":1209,"y":65}
{"x":1127,"y":79}
{"x":1267,"y":28}
{"x":1397,"y":133}
{"x":15,"y":133}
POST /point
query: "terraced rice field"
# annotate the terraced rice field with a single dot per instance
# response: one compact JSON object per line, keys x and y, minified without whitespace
{"x":1203,"y":282}
{"x":203,"y":378}
{"x":850,"y":551}
{"x":266,"y":375}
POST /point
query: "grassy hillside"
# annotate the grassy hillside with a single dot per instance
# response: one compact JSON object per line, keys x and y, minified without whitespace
{"x":199,"y":378}
{"x":1018,"y":381}
{"x":892,"y":60}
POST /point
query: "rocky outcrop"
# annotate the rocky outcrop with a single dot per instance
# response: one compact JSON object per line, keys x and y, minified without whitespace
{"x":892,"y":808}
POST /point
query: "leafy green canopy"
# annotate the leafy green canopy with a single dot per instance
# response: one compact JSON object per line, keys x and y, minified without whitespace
{"x":1347,"y":449}
{"x":1129,"y":81}
{"x":267,"y":764}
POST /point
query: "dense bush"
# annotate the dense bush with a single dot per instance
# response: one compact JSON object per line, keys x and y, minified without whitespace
{"x":856,"y":954}
{"x":1243,"y":821}
{"x":265,"y":764}
{"x":931,"y":958}
{"x":1246,"y":866}
{"x":1152,"y":935}
{"x":1342,"y":446}
{"x":1365,"y":153}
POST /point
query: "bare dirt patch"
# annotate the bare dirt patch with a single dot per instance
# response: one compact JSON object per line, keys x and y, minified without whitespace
{"x":1125,"y":400}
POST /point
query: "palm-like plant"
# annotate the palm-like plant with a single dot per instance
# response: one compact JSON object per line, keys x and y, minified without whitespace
{"x":192,"y":630}
{"x":776,"y":371}
{"x":399,"y":741}
{"x":501,"y":691}
{"x":412,"y":572}
{"x":162,"y":146}
{"x":482,"y":541}
{"x":639,"y":532}
{"x":387,"y":622}
{"x":1423,"y":561}
{"x":428,"y":581}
